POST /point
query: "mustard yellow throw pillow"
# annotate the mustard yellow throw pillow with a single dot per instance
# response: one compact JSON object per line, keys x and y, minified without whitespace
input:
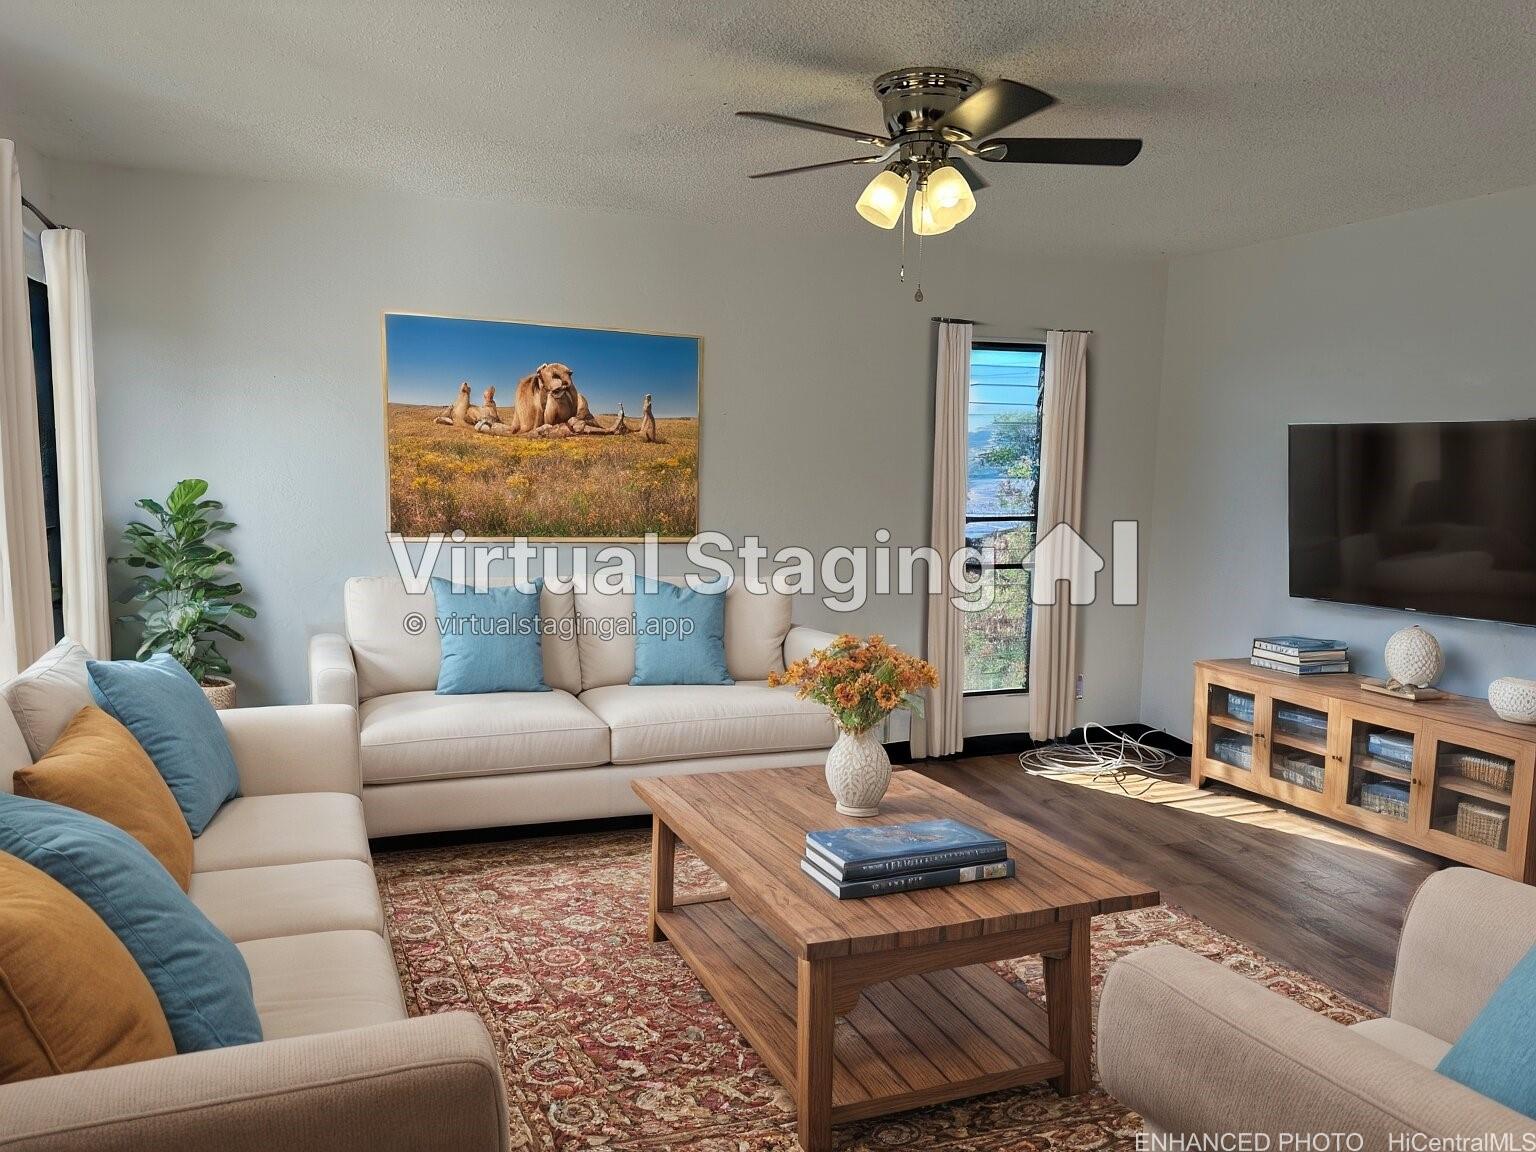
{"x":71,"y":996}
{"x":97,"y":767}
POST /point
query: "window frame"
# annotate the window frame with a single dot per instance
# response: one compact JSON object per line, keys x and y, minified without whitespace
{"x":1031,"y":518}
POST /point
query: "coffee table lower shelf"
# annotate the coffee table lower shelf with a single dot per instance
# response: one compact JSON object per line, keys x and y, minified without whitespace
{"x":908,"y":1043}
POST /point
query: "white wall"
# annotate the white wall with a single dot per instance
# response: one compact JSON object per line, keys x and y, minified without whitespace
{"x":237,"y":328}
{"x":1423,"y":316}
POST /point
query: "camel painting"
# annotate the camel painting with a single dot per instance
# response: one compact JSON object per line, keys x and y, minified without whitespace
{"x":505,"y":429}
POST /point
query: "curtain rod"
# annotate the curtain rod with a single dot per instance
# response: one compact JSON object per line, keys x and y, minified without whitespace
{"x":985,"y":324}
{"x":36,"y":211}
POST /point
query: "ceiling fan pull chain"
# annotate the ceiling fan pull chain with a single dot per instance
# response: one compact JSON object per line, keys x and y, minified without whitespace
{"x":918,"y":295}
{"x":901,"y":226}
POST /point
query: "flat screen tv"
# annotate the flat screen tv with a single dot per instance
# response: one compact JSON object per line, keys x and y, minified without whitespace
{"x":1427,"y":517}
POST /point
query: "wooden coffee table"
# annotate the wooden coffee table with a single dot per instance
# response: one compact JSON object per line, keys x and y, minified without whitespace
{"x":865,"y":1007}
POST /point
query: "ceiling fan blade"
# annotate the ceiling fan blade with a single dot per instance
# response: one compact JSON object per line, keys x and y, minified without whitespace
{"x":796,"y":122}
{"x":813,"y":167}
{"x":993,"y":107}
{"x":1115,"y":153}
{"x":972,"y":177}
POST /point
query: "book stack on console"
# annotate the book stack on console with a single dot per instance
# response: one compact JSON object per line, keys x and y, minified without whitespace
{"x":1300,"y":655}
{"x":879,"y":859}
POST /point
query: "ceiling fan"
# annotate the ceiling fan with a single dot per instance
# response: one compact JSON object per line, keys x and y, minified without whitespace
{"x":937,"y":120}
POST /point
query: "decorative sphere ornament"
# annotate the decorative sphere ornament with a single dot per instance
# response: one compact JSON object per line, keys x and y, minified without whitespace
{"x":1414,"y":657}
{"x":1513,"y":698}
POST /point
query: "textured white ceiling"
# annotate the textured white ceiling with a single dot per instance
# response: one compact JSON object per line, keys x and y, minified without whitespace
{"x":1261,"y":117}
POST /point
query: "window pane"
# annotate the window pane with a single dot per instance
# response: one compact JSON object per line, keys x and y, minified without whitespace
{"x":997,"y":637}
{"x":1003,"y":431}
{"x":1001,"y":541}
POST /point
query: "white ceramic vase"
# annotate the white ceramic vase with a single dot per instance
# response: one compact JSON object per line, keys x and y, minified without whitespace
{"x":1514,"y":698}
{"x":858,"y":772}
{"x":1413,"y":656}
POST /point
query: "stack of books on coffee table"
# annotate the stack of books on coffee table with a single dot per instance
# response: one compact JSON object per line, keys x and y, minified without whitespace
{"x":879,"y":859}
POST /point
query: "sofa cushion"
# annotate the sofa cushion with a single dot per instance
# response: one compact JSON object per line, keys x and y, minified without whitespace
{"x":1495,"y":1056}
{"x":13,"y":750}
{"x":605,"y":637}
{"x":679,"y":635}
{"x":71,"y":995}
{"x":1404,"y":1039}
{"x":423,"y":736}
{"x":253,"y":831}
{"x":323,"y":982}
{"x":45,"y":696}
{"x":489,"y":640}
{"x":165,"y":709}
{"x":686,"y":721}
{"x":755,"y":627}
{"x":289,"y":899}
{"x":97,"y":766}
{"x":197,"y":974}
{"x":391,"y":657}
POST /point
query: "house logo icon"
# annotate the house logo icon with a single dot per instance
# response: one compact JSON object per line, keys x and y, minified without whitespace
{"x":1062,"y":556}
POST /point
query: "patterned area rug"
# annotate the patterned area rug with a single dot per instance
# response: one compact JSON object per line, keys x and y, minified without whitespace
{"x":608,"y":1041}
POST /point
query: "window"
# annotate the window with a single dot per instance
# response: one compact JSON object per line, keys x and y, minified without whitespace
{"x":42,"y":364}
{"x":1002,"y":468}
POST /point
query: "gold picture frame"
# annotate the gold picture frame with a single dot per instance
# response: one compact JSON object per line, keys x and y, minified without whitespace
{"x":589,"y":477}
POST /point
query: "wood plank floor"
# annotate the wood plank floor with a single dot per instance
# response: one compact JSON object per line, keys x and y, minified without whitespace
{"x":1315,"y":895}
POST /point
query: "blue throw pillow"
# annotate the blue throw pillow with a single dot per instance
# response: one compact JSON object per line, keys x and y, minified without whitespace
{"x":490,"y":640}
{"x":199,"y":977}
{"x":159,"y":702}
{"x":1496,"y":1055}
{"x":679,"y":635}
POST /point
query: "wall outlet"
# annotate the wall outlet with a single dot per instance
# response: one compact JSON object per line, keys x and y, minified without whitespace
{"x":1079,"y":685}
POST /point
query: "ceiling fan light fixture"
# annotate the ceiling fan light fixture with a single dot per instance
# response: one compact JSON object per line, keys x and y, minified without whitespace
{"x":924,"y":222}
{"x":883,"y":198}
{"x":949,"y":198}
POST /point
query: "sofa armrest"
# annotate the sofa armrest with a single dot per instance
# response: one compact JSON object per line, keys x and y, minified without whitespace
{"x":1440,"y":984}
{"x":801,"y":641}
{"x":1199,"y":1050}
{"x":430,"y":1084}
{"x":332,"y":672}
{"x":294,"y":748}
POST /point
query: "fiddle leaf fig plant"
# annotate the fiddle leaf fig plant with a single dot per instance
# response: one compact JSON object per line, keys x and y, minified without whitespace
{"x":188,"y":598}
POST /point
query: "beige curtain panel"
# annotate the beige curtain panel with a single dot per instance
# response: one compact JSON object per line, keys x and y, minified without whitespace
{"x":943,"y":728}
{"x":1053,"y":639}
{"x":82,"y":543}
{"x":26,"y":600}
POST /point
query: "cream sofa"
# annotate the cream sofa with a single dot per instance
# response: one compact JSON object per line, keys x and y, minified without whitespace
{"x":1199,"y":1051}
{"x":432,"y":763}
{"x":284,"y":871}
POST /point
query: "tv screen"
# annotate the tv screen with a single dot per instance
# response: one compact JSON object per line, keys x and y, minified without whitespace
{"x":1429,"y":517}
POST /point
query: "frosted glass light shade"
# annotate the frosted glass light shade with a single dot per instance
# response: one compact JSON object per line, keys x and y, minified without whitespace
{"x":924,"y":223}
{"x":882,"y":200}
{"x":949,"y":198}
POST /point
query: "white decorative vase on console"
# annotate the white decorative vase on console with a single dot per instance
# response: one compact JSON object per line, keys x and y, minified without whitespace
{"x":858,"y":772}
{"x":1414,"y":657}
{"x":1513,"y":698}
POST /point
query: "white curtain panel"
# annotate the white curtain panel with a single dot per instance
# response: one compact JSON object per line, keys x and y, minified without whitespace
{"x":87,"y":617}
{"x":26,"y":601}
{"x":943,"y":730}
{"x":1053,"y":639}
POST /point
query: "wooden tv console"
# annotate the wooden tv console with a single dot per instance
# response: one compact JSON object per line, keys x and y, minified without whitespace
{"x":1444,"y":775}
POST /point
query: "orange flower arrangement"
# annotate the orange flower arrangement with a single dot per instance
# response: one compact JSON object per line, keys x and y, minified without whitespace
{"x":861,"y":681}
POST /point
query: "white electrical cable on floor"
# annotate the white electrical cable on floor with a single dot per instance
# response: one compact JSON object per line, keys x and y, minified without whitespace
{"x":1116,"y":760}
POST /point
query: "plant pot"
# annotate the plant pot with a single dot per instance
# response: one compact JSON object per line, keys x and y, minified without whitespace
{"x":220,"y":692}
{"x":858,"y":772}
